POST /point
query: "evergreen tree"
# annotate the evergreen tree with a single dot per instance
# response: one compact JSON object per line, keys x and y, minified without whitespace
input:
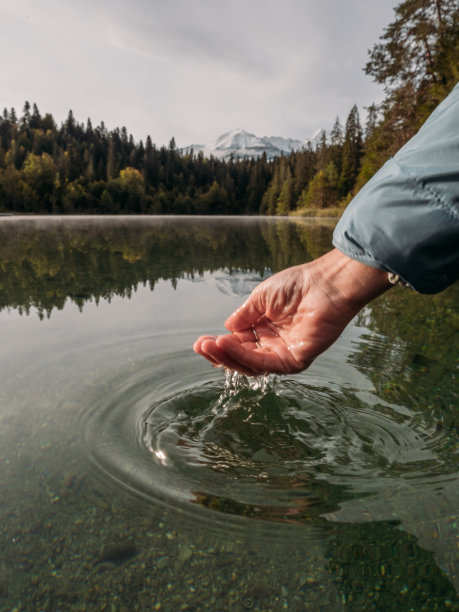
{"x":269,"y":201}
{"x":335,"y":150}
{"x":305,"y":168}
{"x":70,"y":124}
{"x":371,"y":122}
{"x":112,"y":166}
{"x":417,"y":61}
{"x":286,"y":200}
{"x":352,"y":152}
{"x":322,"y":150}
{"x":35,"y":120}
{"x":336,"y":135}
{"x":25,"y":119}
{"x":419,"y":47}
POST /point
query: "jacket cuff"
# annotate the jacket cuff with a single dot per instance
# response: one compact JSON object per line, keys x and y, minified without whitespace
{"x":397,"y":223}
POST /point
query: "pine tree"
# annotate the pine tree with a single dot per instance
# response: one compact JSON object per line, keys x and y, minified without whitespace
{"x":335,"y":150}
{"x":269,"y":201}
{"x":352,"y":152}
{"x":25,"y":119}
{"x":419,"y":47}
{"x":35,"y":119}
{"x":321,"y":150}
{"x":336,"y":135}
{"x":12,"y":116}
{"x":70,"y":124}
{"x":112,"y":166}
{"x":417,"y":61}
{"x":305,"y":168}
{"x":371,"y":122}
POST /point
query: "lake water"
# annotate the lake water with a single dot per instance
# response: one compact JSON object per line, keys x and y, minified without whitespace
{"x":134,"y":476}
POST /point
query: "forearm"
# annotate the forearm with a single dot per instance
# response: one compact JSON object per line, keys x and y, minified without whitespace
{"x":351,"y":282}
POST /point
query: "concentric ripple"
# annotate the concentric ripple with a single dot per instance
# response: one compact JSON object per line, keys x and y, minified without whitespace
{"x":283,"y":450}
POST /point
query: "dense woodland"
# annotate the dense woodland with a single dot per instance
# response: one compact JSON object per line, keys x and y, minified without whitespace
{"x":78,"y":168}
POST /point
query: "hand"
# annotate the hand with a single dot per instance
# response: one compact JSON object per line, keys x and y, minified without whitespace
{"x":293,"y":316}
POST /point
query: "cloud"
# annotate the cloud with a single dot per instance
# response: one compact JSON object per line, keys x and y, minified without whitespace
{"x":192,"y":69}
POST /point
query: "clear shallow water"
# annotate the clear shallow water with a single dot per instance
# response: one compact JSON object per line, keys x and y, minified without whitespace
{"x":137,"y":476}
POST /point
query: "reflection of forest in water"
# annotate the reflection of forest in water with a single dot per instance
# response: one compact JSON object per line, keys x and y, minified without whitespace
{"x":45,"y":262}
{"x":412,"y":359}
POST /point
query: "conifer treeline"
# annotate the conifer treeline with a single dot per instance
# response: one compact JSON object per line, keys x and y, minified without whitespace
{"x":76,"y":168}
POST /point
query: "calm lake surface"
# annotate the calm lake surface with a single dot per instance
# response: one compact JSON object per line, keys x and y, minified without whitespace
{"x":134,"y":476}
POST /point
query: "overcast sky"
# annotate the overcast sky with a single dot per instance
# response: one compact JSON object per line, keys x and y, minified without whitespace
{"x":192,"y":69}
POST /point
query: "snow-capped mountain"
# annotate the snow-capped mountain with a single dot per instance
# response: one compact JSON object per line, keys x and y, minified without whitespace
{"x":240,"y":144}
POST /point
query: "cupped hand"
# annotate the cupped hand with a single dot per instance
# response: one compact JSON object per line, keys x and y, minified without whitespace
{"x":293,"y":316}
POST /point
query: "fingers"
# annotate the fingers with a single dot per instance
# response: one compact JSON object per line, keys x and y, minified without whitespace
{"x":198,"y":348}
{"x":253,"y":357}
{"x":217,"y":353}
{"x":241,"y":352}
{"x":246,"y":315}
{"x":208,"y":348}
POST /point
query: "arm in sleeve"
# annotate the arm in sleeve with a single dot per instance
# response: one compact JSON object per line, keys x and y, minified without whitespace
{"x":406,"y":218}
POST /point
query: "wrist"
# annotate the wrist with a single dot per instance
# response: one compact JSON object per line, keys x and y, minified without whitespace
{"x":351,"y":281}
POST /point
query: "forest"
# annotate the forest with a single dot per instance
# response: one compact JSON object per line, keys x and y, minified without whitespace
{"x":76,"y":168}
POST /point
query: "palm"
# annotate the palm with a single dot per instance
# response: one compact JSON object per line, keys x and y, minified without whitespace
{"x":286,"y":322}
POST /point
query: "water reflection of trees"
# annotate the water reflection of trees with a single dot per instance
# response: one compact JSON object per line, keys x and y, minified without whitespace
{"x":412,"y":361}
{"x":45,"y":262}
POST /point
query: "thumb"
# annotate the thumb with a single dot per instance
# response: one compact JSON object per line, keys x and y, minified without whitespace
{"x":246,"y":315}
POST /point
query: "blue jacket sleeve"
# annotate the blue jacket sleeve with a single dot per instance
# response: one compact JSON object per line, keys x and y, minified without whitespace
{"x":406,"y":218}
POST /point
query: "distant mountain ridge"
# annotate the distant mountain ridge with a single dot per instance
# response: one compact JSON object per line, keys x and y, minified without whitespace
{"x":241,"y":144}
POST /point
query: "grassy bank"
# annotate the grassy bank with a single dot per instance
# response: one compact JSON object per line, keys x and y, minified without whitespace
{"x":332,"y":211}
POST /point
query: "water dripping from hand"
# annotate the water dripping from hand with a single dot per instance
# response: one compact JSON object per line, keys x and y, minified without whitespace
{"x":235,"y":382}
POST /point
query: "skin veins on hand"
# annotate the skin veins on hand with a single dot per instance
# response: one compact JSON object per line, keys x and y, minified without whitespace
{"x":293,"y":316}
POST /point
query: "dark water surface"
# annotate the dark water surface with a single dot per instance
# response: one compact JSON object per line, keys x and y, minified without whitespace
{"x":134,"y":476}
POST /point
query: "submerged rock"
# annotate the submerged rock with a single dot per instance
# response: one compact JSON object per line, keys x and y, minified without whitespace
{"x":117,"y":553}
